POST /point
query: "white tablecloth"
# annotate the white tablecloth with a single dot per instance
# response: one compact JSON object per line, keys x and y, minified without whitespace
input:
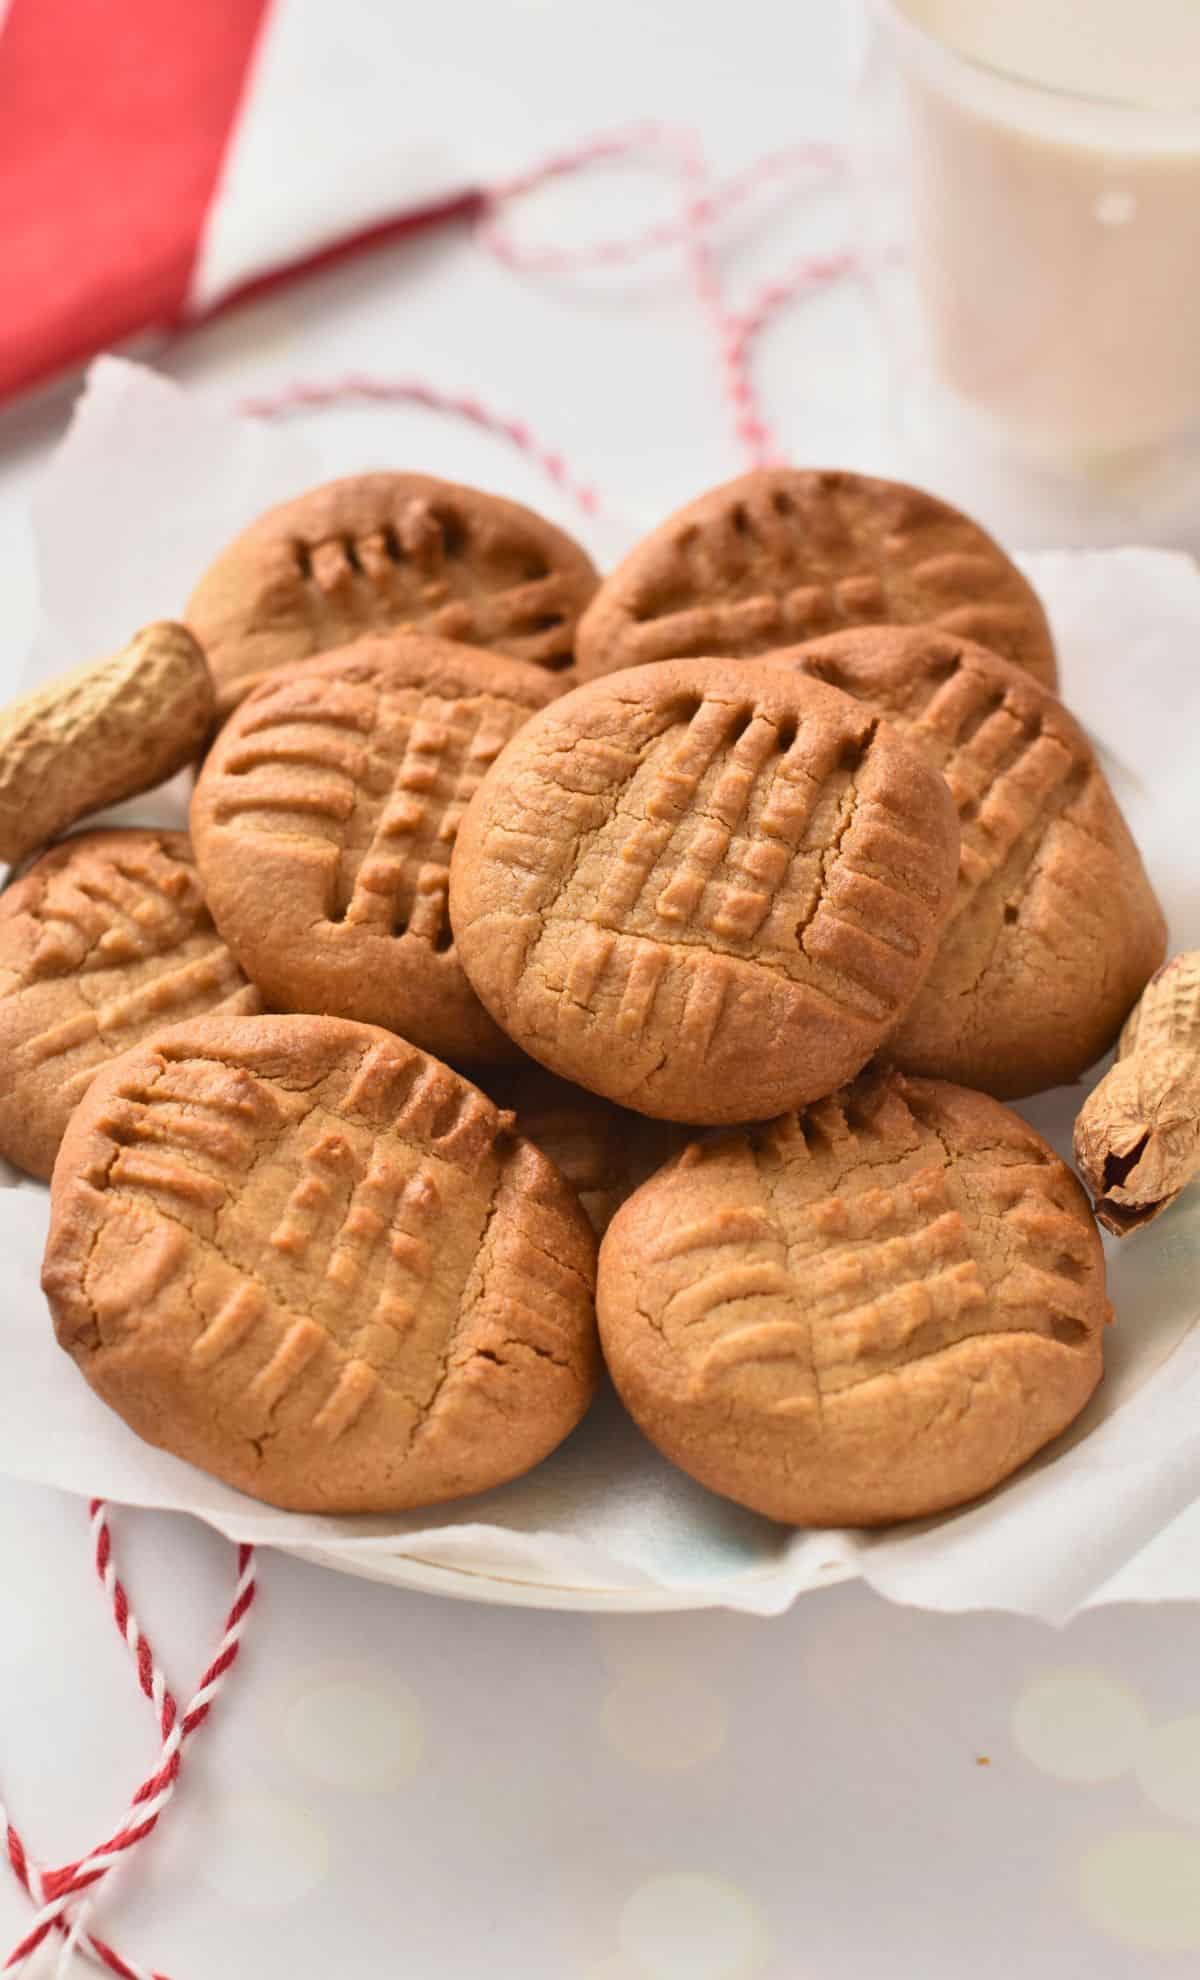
{"x":395,"y":1784}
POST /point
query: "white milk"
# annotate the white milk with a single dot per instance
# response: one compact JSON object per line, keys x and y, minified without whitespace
{"x":1056,"y":213}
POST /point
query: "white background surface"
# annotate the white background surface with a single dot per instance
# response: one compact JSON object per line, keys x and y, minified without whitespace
{"x":401,"y":1785}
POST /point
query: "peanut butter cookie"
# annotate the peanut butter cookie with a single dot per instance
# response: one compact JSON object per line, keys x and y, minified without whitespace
{"x":785,"y":554}
{"x":105,"y":939}
{"x":318,"y":1264}
{"x":324,"y":818}
{"x":704,"y":889}
{"x":604,"y":1152}
{"x":867,"y":1312}
{"x":376,"y":552}
{"x":1055,"y":928}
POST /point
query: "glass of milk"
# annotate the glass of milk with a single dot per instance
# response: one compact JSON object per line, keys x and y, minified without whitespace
{"x":1032,"y":190}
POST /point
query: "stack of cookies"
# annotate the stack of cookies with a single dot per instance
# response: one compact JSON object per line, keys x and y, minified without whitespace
{"x":562,"y":972}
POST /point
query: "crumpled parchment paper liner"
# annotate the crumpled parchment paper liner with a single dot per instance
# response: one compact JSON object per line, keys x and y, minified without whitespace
{"x":147,"y":485}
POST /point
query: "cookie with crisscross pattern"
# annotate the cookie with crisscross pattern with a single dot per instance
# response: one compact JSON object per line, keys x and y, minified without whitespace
{"x":705,"y":889}
{"x":785,"y":554}
{"x":868,"y":1311}
{"x":314,"y":1261}
{"x":1055,"y":928}
{"x":324,"y":819}
{"x":375,"y":552}
{"x":103,"y":940}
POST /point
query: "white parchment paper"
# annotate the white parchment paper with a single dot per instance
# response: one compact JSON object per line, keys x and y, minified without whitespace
{"x":146,"y":487}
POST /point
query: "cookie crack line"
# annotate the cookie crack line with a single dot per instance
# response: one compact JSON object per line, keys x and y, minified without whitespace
{"x":799,"y":982}
{"x":650,"y":1073}
{"x":832,"y":853}
{"x":136,"y":1199}
{"x":254,"y":1264}
{"x":774,"y":1212}
{"x":524,"y":1347}
{"x":85,"y":1270}
{"x":562,"y":1264}
{"x":973,"y":1217}
{"x":589,"y":833}
{"x":447,"y":1366}
{"x":697,"y":946}
{"x":729,"y":699}
{"x":1030,"y":846}
{"x":930,"y":1355}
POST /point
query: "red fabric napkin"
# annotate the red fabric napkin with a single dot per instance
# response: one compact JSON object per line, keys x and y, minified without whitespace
{"x":116,"y":120}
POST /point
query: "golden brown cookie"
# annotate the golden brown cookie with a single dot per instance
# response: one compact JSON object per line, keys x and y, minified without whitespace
{"x":1055,"y":927}
{"x":380,"y":551}
{"x":705,"y":889}
{"x":319,"y":1264}
{"x":866,"y":1312}
{"x":324,"y":818}
{"x":785,"y":554}
{"x":604,"y":1152}
{"x":99,"y":735}
{"x":105,"y":939}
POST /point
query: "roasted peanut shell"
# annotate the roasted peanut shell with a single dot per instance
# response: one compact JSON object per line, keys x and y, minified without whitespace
{"x":1137,"y":1137}
{"x":101,"y":734}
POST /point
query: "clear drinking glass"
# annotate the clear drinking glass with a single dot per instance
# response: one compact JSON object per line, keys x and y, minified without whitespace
{"x":1029,"y":182}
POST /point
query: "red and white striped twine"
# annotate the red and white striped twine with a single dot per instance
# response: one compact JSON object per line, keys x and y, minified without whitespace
{"x":357,"y":385}
{"x":63,"y":1896}
{"x":55,"y":1891}
{"x":702,"y":204}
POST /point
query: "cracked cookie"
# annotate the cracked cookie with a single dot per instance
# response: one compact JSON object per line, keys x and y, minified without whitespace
{"x":1055,"y":928}
{"x":784,"y":554}
{"x":870,"y":1311}
{"x":315,"y":1262}
{"x":99,"y":735}
{"x":105,"y":939}
{"x":323,"y":821}
{"x":604,"y":1152}
{"x":376,"y":552}
{"x":704,"y":889}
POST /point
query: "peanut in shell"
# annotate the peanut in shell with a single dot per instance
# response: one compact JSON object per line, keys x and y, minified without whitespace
{"x":1137,"y":1136}
{"x":101,"y":734}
